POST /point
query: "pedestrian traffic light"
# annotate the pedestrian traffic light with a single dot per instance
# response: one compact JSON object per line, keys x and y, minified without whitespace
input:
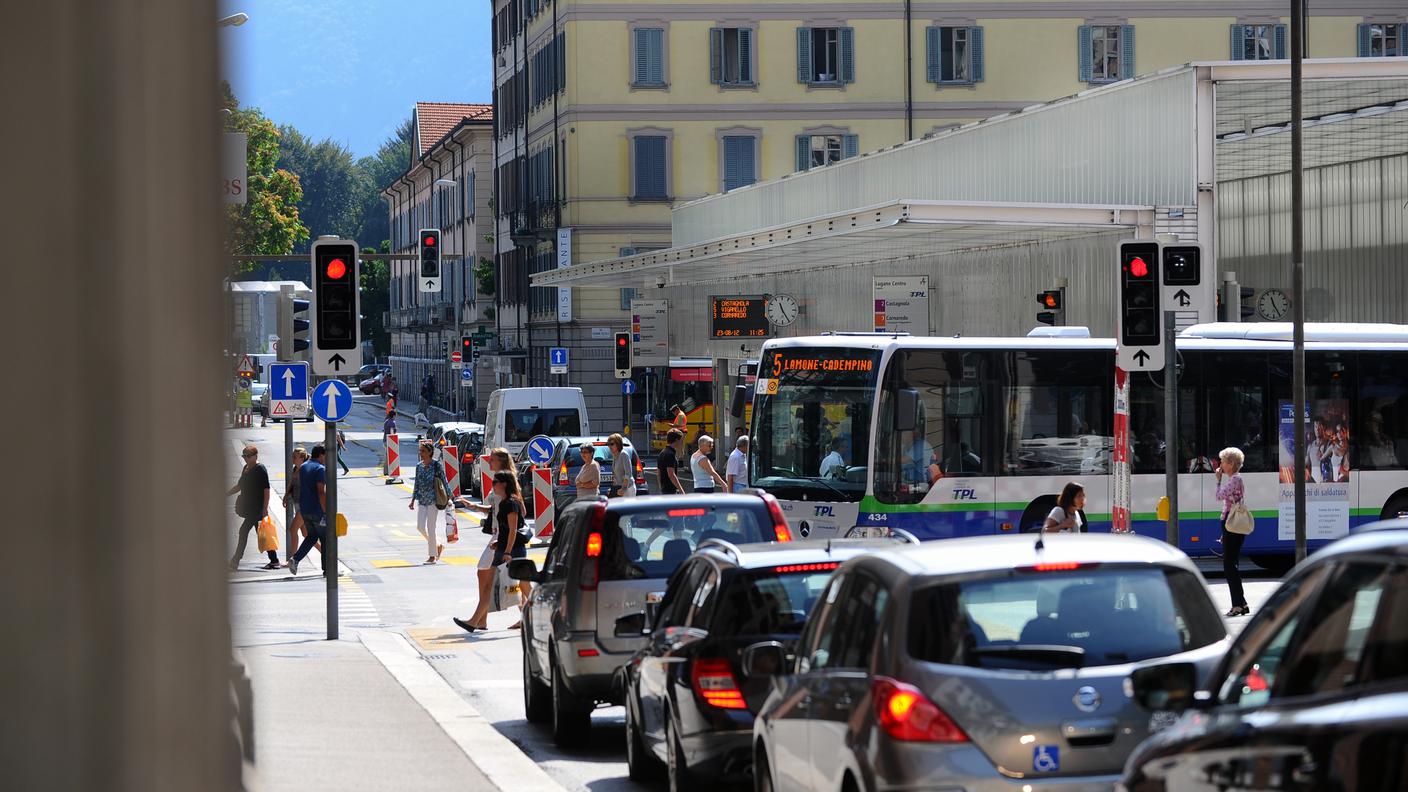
{"x":1140,"y":320}
{"x":429,"y":249}
{"x":623,"y":355}
{"x":336,"y":305}
{"x":1183,"y":265}
{"x":1054,"y":302}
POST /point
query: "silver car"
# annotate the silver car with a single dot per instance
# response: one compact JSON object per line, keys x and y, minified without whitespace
{"x":992,"y":663}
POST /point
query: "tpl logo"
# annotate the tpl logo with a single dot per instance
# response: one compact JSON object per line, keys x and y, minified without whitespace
{"x":962,"y":493}
{"x":824,"y":511}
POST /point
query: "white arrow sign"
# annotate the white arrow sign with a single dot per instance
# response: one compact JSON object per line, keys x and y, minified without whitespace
{"x":288,"y":383}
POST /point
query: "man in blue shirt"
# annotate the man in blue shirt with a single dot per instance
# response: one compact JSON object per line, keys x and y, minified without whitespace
{"x":312,"y":502}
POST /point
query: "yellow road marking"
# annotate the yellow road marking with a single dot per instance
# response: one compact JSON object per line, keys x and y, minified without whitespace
{"x":436,"y":639}
{"x":389,"y":563}
{"x":459,"y":560}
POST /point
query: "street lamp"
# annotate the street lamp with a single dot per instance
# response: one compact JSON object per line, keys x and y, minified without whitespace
{"x":233,"y":20}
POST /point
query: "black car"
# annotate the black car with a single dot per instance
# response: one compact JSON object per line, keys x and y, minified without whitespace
{"x":689,"y":705}
{"x":1313,"y":695}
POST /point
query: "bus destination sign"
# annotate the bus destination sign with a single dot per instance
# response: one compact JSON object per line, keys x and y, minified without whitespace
{"x":738,"y":317}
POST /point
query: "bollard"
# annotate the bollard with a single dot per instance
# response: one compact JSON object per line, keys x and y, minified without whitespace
{"x":393,"y":459}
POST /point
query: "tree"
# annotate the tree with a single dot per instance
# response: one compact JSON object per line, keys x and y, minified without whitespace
{"x":387,"y":165}
{"x":268,"y":222}
{"x":376,"y":300}
{"x":334,"y":187}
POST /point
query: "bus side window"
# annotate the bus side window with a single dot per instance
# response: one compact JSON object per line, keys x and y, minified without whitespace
{"x":1380,"y":438}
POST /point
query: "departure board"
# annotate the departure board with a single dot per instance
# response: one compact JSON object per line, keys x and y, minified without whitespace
{"x":738,"y":317}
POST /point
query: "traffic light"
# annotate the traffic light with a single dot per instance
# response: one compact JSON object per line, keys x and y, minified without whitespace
{"x":623,"y":355}
{"x":466,"y":348}
{"x":300,"y":326}
{"x":1140,"y":318}
{"x":429,"y":247}
{"x":1183,"y":265}
{"x":293,"y":328}
{"x":336,"y":306}
{"x":1248,"y":304}
{"x":1055,"y":304}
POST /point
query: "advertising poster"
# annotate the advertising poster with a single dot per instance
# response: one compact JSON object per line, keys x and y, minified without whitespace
{"x":1327,"y":444}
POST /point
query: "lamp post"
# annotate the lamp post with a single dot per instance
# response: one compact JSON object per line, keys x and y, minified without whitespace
{"x":233,"y":20}
{"x":450,"y":382}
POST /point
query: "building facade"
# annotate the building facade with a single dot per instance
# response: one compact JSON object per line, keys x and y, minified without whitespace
{"x":447,"y":185}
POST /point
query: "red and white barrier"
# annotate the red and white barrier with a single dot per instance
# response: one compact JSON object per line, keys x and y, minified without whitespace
{"x":452,"y":469}
{"x":544,"y":508}
{"x":486,"y":479}
{"x":393,"y":459}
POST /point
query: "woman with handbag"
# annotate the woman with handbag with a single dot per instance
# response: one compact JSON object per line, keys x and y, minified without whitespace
{"x":252,"y":505}
{"x":1237,"y":522}
{"x":623,"y":472}
{"x":431,"y":494}
{"x":511,"y":539}
{"x":499,"y":460}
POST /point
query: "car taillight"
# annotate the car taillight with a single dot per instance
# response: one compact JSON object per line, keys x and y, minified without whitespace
{"x":591,"y":564}
{"x":1054,"y":566}
{"x":640,"y":473}
{"x":907,"y":714}
{"x":712,"y":679}
{"x":469,"y":459}
{"x":780,"y":530}
{"x":562,"y":475}
{"x":593,"y":545}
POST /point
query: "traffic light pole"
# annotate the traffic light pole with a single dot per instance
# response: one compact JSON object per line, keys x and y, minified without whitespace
{"x":286,"y":354}
{"x":330,"y":529}
{"x":1298,"y":268}
{"x":1171,"y":428}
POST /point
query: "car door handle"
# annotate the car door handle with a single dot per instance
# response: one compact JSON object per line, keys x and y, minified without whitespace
{"x":844,"y":702}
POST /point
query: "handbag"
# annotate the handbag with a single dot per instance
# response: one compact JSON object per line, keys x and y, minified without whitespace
{"x":442,"y":498}
{"x":507,"y":593}
{"x":452,"y":528}
{"x":1239,"y":519}
{"x":268,"y":535}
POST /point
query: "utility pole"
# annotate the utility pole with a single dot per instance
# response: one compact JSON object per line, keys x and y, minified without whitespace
{"x":1171,"y":427}
{"x":286,"y":354}
{"x":1298,"y":268}
{"x":330,"y":528}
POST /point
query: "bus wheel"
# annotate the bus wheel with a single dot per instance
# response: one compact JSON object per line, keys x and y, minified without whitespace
{"x":1035,"y":515}
{"x":1276,"y":564}
{"x":1398,"y":504}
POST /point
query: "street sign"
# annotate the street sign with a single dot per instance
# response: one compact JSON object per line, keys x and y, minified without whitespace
{"x":557,"y":360}
{"x":1187,"y":287}
{"x":337,"y":307}
{"x":332,"y":400}
{"x":455,"y":357}
{"x":467,"y":377}
{"x":628,"y":387}
{"x":245,"y":366}
{"x":540,"y":450}
{"x":288,"y":389}
{"x":245,"y":383}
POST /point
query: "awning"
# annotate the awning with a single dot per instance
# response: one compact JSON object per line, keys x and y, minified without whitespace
{"x":893,"y":232}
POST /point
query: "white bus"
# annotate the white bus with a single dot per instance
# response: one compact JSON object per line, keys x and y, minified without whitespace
{"x":947,"y":437}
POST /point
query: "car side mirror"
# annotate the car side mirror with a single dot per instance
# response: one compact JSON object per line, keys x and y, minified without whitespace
{"x":524,"y":569}
{"x":766,"y":658}
{"x":1167,"y":686}
{"x":740,"y":399}
{"x":632,"y":625}
{"x":906,"y":409}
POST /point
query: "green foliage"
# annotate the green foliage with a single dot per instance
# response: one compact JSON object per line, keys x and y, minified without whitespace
{"x":269,"y":221}
{"x":389,"y":162}
{"x":376,"y":300}
{"x":484,"y":276}
{"x":334,"y":187}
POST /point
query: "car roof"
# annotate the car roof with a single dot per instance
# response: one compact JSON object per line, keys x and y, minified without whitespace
{"x":593,"y":439}
{"x":657,"y":502}
{"x":1002,"y":553}
{"x":757,"y":555}
{"x":1385,"y":537}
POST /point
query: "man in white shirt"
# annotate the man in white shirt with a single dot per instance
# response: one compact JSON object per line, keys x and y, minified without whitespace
{"x":833,"y":460}
{"x":737,"y":467}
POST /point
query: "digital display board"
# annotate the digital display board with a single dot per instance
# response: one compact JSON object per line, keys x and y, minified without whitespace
{"x":738,"y":317}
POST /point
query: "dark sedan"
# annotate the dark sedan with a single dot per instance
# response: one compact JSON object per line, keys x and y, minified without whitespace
{"x":1313,"y":695}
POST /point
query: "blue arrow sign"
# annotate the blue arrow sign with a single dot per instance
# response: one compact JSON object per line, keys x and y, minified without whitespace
{"x":332,"y":400}
{"x":540,"y":450}
{"x":289,"y":381}
{"x":557,"y":356}
{"x":628,"y":387}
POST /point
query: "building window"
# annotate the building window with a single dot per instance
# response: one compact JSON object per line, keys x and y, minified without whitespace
{"x":650,"y":163}
{"x":955,"y":54}
{"x":731,"y":56}
{"x":1383,"y":40}
{"x":815,"y":151}
{"x":648,"y":57}
{"x":740,"y":161}
{"x":1258,"y":42}
{"x":1107,"y":53}
{"x":626,"y":296}
{"x":826,"y":56}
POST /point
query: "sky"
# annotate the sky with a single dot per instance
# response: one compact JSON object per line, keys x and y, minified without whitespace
{"x":351,"y":70}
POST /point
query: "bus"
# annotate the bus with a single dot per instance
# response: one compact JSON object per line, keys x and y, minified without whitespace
{"x":688,"y":382}
{"x":946,"y":437}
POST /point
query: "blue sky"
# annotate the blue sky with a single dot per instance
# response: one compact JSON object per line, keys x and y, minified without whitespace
{"x":350,"y":70}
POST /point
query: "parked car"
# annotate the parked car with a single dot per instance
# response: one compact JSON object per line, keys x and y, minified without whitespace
{"x":603,"y":560}
{"x":689,"y":707}
{"x":469,"y":445}
{"x":371,"y":386}
{"x":566,"y":463}
{"x":259,"y":392}
{"x":1311,"y":695}
{"x":436,"y":432}
{"x":969,"y":663}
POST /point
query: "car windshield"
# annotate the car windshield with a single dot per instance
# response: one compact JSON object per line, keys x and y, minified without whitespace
{"x":520,"y":426}
{"x":1072,"y":618}
{"x":769,"y":601}
{"x":650,"y":544}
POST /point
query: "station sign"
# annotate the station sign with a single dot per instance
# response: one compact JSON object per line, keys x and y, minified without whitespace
{"x":736,"y":316}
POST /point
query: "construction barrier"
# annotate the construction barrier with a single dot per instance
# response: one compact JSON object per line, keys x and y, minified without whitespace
{"x":452,"y":470}
{"x":393,"y":459}
{"x":544,"y":507}
{"x":486,"y":481}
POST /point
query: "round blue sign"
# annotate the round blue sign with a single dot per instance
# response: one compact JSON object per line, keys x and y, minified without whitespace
{"x":332,"y":400}
{"x":540,"y":450}
{"x":628,"y":387}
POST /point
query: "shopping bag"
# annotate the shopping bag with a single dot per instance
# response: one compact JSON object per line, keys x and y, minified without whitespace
{"x":507,"y":594}
{"x":268,"y":535}
{"x":341,"y":524}
{"x":452,"y":528}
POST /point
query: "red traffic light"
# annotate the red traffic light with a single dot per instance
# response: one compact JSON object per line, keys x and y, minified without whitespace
{"x":336,"y":269}
{"x":430,"y":240}
{"x":621,"y":341}
{"x":1138,"y":267}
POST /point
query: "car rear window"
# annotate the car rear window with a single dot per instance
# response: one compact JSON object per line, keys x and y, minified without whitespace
{"x":1062,"y":619}
{"x":769,"y":601}
{"x":520,"y":426}
{"x":651,"y":544}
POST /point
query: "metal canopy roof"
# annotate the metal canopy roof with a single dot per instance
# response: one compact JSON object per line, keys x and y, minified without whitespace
{"x":891,"y":232}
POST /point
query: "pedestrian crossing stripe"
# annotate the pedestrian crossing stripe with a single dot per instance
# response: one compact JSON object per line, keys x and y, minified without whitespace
{"x":389,"y":563}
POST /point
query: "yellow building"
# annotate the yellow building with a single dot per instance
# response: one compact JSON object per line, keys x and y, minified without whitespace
{"x":609,"y":113}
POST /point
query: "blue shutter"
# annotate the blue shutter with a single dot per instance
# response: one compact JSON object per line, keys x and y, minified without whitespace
{"x":745,"y":55}
{"x":848,"y":55}
{"x":804,"y":152}
{"x":655,"y":70}
{"x":562,"y":61}
{"x":650,"y":167}
{"x":748,"y":162}
{"x":932,"y":54}
{"x":716,"y":56}
{"x":1234,"y":42}
{"x":804,"y":55}
{"x":975,"y":53}
{"x":733,"y":161}
{"x":1126,"y":52}
{"x":1085,"y":53}
{"x":1364,"y":31}
{"x":642,"y":56}
{"x":1278,"y":42}
{"x":850,"y":146}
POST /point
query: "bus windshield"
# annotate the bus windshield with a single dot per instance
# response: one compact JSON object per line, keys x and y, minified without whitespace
{"x":812,"y":418}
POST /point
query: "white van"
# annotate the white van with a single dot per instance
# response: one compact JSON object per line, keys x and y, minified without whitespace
{"x":517,"y":415}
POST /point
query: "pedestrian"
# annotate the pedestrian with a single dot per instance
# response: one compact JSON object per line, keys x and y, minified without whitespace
{"x":623,"y":469}
{"x":499,"y":460}
{"x":668,"y":462}
{"x":513,"y":535}
{"x":252,"y":505}
{"x":737,"y":466}
{"x":833,"y":461}
{"x":429,"y":477}
{"x":342,"y":446}
{"x":705,"y":477}
{"x":312,"y":502}
{"x":295,"y":526}
{"x":1068,"y":515}
{"x":589,"y":477}
{"x":678,"y":419}
{"x":1231,"y":492}
{"x":389,"y":427}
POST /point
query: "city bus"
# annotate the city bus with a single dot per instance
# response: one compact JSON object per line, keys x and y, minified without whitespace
{"x":688,"y":382}
{"x":946,"y":437}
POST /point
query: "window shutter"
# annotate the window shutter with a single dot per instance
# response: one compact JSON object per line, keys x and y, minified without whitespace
{"x":748,"y":163}
{"x":1126,"y":52}
{"x":656,"y":65}
{"x":804,"y":55}
{"x":733,"y":162}
{"x":1086,"y":53}
{"x":932,"y":54}
{"x":642,"y":60}
{"x":745,"y":55}
{"x":716,"y":55}
{"x":850,"y":146}
{"x":1234,"y":42}
{"x":1278,"y":42}
{"x":650,"y":167}
{"x":848,"y":55}
{"x":975,"y":53}
{"x":804,"y":152}
{"x":562,"y":61}
{"x":1364,"y":32}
